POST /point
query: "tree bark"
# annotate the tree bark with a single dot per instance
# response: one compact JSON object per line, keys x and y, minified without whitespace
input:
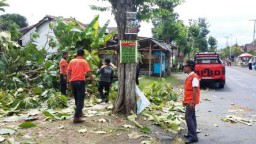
{"x":126,"y":98}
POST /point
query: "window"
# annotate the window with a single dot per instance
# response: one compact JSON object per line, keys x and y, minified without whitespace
{"x":208,"y":61}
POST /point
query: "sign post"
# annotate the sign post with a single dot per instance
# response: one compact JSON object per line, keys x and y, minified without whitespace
{"x":128,"y":51}
{"x":132,"y":24}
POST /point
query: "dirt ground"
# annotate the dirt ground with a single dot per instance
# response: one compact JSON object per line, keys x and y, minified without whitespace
{"x":99,"y":128}
{"x":65,"y":132}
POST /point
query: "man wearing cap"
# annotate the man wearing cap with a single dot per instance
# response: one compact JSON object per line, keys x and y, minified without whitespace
{"x":77,"y":69}
{"x":191,"y":99}
{"x":63,"y":73}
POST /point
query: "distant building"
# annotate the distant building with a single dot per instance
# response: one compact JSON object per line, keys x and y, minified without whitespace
{"x":248,"y":47}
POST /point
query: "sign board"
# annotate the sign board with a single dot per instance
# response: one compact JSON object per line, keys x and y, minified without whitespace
{"x":132,"y":24}
{"x":128,"y":51}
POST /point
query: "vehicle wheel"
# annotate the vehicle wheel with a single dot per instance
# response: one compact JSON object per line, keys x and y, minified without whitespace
{"x":221,"y":85}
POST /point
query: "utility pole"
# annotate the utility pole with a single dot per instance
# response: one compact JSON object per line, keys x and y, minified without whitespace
{"x":227,"y":37}
{"x":231,"y":44}
{"x":254,"y":31}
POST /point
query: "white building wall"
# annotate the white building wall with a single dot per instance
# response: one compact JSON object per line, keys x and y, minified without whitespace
{"x":26,"y":38}
{"x":45,"y":33}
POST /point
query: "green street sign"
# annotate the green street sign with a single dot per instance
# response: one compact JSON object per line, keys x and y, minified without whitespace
{"x":128,"y":51}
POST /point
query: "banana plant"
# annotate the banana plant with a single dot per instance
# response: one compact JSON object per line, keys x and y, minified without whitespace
{"x":71,"y":36}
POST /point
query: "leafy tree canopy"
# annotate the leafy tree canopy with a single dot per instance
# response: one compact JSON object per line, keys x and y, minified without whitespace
{"x":212,"y":41}
{"x":9,"y":19}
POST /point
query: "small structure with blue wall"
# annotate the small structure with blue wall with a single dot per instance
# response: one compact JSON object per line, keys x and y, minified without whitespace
{"x":159,"y":63}
{"x":155,"y":57}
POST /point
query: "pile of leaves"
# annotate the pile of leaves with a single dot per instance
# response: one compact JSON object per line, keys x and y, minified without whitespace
{"x":28,"y":78}
{"x":164,"y":109}
{"x":159,"y":93}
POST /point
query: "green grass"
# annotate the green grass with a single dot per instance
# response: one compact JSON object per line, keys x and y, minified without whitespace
{"x":145,"y":81}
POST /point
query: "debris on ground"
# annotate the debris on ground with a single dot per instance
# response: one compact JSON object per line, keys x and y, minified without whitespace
{"x":135,"y":135}
{"x":178,"y":141}
{"x":237,"y":119}
{"x":82,"y":130}
{"x":207,"y":99}
{"x":165,"y":114}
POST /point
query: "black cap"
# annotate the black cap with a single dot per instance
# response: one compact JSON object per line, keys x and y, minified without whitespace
{"x":190,"y":64}
{"x":64,"y":52}
{"x":107,"y":61}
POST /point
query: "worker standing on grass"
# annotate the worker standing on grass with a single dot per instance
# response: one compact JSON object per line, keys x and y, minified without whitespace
{"x":77,"y":70}
{"x":106,"y":78}
{"x":63,"y":73}
{"x":191,"y":99}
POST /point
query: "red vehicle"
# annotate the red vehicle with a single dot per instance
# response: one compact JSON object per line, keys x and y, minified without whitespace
{"x":210,"y":68}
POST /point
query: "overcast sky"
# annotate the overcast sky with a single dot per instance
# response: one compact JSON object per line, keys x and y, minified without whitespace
{"x":226,"y":17}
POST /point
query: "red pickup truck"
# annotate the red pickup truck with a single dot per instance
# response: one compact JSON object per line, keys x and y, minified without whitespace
{"x":210,"y":68}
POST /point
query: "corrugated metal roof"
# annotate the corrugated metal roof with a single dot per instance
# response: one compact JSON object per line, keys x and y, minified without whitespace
{"x":162,"y":45}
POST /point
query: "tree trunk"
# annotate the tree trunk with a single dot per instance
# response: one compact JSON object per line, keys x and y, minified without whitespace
{"x":126,"y":98}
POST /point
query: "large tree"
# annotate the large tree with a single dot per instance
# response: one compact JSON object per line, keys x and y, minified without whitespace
{"x":182,"y":38}
{"x":9,"y":19}
{"x":212,"y":41}
{"x":3,"y":4}
{"x":198,"y":31}
{"x":166,"y":24}
{"x":201,"y":40}
{"x":193,"y":34}
{"x":126,"y":99}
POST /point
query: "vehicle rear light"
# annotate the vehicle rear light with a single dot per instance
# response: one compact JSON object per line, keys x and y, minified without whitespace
{"x":223,"y":70}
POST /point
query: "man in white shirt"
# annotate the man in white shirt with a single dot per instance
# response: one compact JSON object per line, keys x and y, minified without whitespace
{"x":195,"y":81}
{"x":250,"y":64}
{"x":191,"y":99}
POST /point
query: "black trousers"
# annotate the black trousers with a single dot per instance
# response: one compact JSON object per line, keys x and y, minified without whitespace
{"x":63,"y":84}
{"x":102,"y":86}
{"x":250,"y":66}
{"x":78,"y":89}
{"x":190,"y":116}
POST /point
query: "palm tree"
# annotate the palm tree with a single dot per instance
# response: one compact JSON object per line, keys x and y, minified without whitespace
{"x":3,"y":4}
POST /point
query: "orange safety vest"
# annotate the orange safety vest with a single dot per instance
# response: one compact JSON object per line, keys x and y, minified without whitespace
{"x":188,"y":90}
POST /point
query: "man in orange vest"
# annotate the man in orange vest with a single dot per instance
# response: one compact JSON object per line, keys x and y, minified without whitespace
{"x":191,"y":99}
{"x":63,"y":73}
{"x":77,"y":69}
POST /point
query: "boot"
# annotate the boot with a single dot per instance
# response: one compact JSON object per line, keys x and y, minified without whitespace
{"x":81,"y":114}
{"x":77,"y":120}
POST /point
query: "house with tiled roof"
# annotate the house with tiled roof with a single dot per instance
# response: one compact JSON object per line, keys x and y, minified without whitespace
{"x":45,"y":32}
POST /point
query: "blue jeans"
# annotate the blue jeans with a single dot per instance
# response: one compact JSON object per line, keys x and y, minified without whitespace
{"x":190,"y":116}
{"x":78,"y":88}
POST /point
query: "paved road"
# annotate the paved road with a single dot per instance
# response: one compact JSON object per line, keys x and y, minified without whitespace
{"x":239,"y":94}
